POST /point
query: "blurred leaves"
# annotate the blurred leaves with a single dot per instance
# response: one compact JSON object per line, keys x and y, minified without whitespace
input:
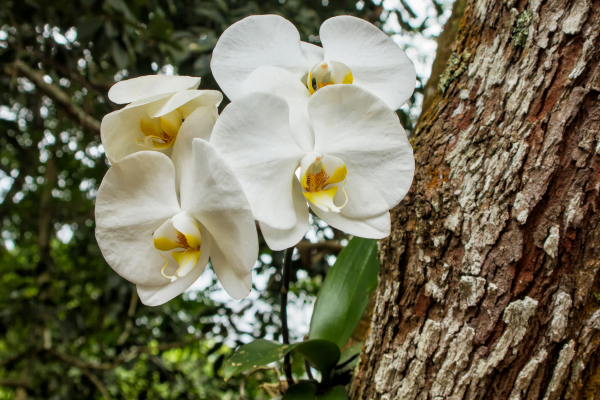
{"x":57,"y":293}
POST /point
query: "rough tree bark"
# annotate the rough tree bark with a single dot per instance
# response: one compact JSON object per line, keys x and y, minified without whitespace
{"x":488,"y":279}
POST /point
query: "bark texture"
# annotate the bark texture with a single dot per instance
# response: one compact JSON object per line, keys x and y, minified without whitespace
{"x":488,"y":279}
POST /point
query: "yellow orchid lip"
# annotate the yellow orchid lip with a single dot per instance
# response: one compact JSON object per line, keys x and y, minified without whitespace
{"x":321,"y":180}
{"x":179,"y":232}
{"x":328,"y":73}
{"x":160,"y":133}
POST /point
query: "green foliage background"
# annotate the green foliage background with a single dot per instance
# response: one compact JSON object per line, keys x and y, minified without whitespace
{"x":71,"y":328}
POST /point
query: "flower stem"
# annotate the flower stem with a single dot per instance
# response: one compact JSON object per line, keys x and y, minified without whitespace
{"x":285,"y":285}
{"x":308,"y":371}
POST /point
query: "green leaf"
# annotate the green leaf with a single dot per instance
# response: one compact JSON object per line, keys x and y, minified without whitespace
{"x":351,"y":353}
{"x":337,"y":393}
{"x":345,"y":293}
{"x":323,"y":354}
{"x":303,"y":390}
{"x":255,"y":354}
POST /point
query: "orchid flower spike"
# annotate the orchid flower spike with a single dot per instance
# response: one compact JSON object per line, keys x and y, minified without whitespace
{"x":160,"y":108}
{"x":354,"y":52}
{"x":161,"y":238}
{"x":357,"y":167}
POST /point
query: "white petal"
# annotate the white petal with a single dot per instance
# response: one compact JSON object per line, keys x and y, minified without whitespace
{"x":157,"y":295}
{"x":217,"y":201}
{"x":209,"y":99}
{"x":197,"y":98}
{"x":356,"y":126}
{"x":278,"y":239}
{"x":119,"y":129}
{"x":314,"y":54}
{"x":136,"y":197}
{"x":282,"y":83}
{"x":151,"y":86}
{"x":253,"y":134}
{"x":235,"y":284}
{"x":253,"y":42}
{"x":377,"y":63}
{"x":376,"y":227}
{"x":198,"y":124}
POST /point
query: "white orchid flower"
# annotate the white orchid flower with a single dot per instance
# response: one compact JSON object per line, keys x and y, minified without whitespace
{"x":160,"y":108}
{"x":357,"y":167}
{"x":354,"y":52}
{"x":161,"y":238}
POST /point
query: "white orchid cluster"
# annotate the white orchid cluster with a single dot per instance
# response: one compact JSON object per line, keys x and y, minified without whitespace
{"x":307,"y":127}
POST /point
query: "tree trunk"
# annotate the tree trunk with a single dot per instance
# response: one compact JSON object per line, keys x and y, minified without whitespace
{"x":489,"y":275}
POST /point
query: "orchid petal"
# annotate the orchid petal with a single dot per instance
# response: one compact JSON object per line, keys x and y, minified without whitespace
{"x":253,"y":135}
{"x":377,"y":63}
{"x":359,"y":128}
{"x":198,"y":124}
{"x":282,"y":83}
{"x":278,"y":239}
{"x":219,"y":204}
{"x":157,"y":295}
{"x":136,"y":197}
{"x":253,"y":42}
{"x":313,"y":54}
{"x":150,"y":87}
{"x":120,"y":129}
{"x":235,"y":284}
{"x":376,"y":227}
{"x":186,"y":100}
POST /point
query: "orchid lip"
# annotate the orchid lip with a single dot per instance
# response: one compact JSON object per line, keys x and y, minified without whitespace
{"x":328,"y":73}
{"x":160,"y":133}
{"x":321,"y":176}
{"x":181,"y":233}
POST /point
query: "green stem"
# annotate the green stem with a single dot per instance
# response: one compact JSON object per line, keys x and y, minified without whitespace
{"x":285,"y":285}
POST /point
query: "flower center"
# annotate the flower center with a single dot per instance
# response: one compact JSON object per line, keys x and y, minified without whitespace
{"x":328,"y":73}
{"x":180,"y":232}
{"x":160,"y":133}
{"x":322,"y":175}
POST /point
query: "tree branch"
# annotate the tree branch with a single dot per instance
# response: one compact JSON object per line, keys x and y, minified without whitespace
{"x":21,"y":356}
{"x":97,"y":382}
{"x":58,"y":96}
{"x":8,"y":382}
{"x":77,"y":77}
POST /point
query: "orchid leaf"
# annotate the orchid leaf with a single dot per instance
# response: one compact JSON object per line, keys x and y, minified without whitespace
{"x":323,"y":354}
{"x":337,"y":393}
{"x":349,"y":356}
{"x":255,"y":354}
{"x":344,"y":295}
{"x":303,"y":390}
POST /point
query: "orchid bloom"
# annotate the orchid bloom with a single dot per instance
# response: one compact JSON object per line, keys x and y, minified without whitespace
{"x":160,"y":237}
{"x":159,"y":108}
{"x":357,"y":166}
{"x":354,"y":52}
